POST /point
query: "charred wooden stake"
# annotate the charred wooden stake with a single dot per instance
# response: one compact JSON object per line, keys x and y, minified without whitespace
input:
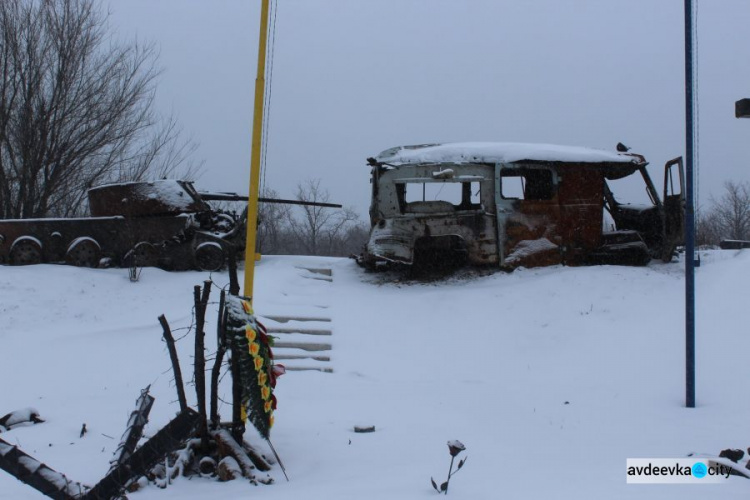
{"x":201,"y":302}
{"x":238,"y":425}
{"x":216,"y":370}
{"x":169,"y":339}
{"x":220,"y":339}
{"x":234,"y":283}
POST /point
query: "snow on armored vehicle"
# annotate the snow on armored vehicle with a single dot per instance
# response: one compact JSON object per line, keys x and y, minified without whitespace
{"x":163,"y":223}
{"x":511,"y":205}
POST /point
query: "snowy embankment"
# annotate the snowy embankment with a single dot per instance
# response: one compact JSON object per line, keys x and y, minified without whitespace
{"x":551,"y":377}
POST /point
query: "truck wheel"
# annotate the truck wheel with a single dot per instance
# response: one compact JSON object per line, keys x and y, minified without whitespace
{"x":209,"y":256}
{"x":143,"y":254}
{"x":83,"y":252}
{"x":26,"y":251}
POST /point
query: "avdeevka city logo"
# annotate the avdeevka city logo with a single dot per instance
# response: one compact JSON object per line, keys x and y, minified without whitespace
{"x":675,"y":470}
{"x":699,"y":470}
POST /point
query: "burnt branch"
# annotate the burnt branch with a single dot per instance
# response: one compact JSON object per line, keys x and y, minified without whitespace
{"x":201,"y":302}
{"x":216,"y":370}
{"x":169,"y":339}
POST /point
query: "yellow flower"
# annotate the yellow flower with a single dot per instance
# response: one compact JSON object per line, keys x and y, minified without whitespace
{"x":262,"y":378}
{"x":246,"y":307}
{"x":265,"y":393}
{"x":250,"y":334}
{"x":270,"y":421}
{"x":258,"y":363}
{"x":254,"y":349}
{"x":267,"y":407}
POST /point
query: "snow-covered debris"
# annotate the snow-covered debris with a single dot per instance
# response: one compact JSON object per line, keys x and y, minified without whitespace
{"x":22,"y":416}
{"x":445,"y":173}
{"x":526,"y":248}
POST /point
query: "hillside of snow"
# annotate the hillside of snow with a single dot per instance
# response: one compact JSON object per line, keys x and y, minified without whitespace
{"x":551,"y":377}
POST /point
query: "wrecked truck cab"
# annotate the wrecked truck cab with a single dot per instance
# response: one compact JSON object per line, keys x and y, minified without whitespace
{"x":454,"y":221}
{"x":511,"y":205}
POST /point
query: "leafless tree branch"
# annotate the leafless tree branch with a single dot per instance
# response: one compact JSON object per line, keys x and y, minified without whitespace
{"x":75,"y":108}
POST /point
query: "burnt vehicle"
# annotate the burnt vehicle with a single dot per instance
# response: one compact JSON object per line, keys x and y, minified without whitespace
{"x":164,"y":223}
{"x":511,"y":205}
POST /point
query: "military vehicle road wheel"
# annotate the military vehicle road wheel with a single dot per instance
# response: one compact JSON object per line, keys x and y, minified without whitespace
{"x":83,"y":252}
{"x":26,"y":251}
{"x":143,"y":254}
{"x":209,"y":256}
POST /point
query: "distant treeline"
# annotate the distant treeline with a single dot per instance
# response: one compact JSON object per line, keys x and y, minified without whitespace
{"x":307,"y":230}
{"x":727,"y":217}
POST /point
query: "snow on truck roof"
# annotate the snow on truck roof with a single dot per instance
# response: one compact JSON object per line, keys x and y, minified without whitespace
{"x":501,"y":152}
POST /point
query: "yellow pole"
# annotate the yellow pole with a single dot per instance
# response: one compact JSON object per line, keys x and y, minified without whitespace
{"x":252,"y":204}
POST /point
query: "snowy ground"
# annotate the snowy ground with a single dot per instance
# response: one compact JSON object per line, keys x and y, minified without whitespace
{"x":489,"y":360}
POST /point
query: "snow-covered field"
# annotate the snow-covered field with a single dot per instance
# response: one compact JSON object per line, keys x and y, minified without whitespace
{"x":551,"y":377}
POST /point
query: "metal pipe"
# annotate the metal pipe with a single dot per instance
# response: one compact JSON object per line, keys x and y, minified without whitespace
{"x":237,"y":197}
{"x":252,"y":206}
{"x":689,"y":215}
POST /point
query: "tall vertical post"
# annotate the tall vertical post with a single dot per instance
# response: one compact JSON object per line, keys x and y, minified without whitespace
{"x":255,"y":154}
{"x":689,"y":215}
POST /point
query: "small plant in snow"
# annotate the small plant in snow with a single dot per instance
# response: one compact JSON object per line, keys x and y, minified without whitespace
{"x":454,"y":448}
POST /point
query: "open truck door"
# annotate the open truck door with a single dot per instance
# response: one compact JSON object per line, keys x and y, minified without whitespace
{"x":674,"y":207}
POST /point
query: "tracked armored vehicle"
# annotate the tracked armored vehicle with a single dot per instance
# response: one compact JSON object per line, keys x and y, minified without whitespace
{"x":164,"y":223}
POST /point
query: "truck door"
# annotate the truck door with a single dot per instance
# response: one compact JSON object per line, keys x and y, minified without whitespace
{"x":674,"y":207}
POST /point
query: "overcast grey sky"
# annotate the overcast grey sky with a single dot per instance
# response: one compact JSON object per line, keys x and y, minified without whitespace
{"x":354,"y":77}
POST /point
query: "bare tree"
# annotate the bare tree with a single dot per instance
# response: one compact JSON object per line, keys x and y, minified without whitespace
{"x":351,"y":241}
{"x":731,"y":213}
{"x":317,"y":228}
{"x":707,"y":228}
{"x":272,"y":218}
{"x":75,"y":108}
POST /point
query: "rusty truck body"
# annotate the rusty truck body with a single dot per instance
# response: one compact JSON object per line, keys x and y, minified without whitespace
{"x":164,"y":223}
{"x":511,"y":205}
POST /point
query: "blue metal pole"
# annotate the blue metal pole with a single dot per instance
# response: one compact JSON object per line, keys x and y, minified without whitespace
{"x":689,"y":215}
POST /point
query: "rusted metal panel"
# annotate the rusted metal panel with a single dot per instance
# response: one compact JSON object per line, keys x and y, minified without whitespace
{"x":138,"y":199}
{"x":581,"y":195}
{"x":532,"y":236}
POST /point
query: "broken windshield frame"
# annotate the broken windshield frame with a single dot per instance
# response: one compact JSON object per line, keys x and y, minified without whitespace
{"x":438,"y":195}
